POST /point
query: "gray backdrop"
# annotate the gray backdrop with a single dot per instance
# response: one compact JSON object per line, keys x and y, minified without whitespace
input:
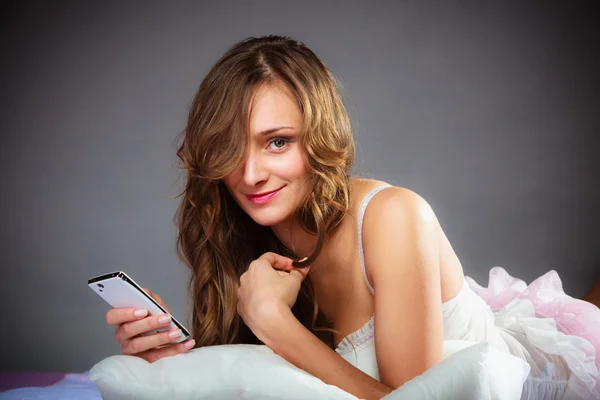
{"x":489,"y":111}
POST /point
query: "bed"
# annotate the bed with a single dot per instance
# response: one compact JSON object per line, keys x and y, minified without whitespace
{"x":476,"y":371}
{"x":47,"y":386}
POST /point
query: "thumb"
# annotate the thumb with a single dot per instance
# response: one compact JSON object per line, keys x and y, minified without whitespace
{"x":300,"y":273}
{"x":276,"y":261}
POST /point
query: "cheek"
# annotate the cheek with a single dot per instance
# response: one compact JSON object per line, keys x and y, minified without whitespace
{"x":303,"y":173}
{"x":230,"y":184}
{"x":232,"y":180}
{"x":296,"y":166}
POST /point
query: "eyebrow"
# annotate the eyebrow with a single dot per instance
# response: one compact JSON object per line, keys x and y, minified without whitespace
{"x":273,"y":130}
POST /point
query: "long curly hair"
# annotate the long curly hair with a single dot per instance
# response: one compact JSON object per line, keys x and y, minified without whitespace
{"x":216,"y":239}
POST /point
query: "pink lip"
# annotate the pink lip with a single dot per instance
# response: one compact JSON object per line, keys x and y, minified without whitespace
{"x":263,"y":198}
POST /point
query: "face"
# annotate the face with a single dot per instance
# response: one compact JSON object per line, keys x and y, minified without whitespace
{"x":272,"y":180}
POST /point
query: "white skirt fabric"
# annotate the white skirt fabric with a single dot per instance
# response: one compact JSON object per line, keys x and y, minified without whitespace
{"x":556,"y":335}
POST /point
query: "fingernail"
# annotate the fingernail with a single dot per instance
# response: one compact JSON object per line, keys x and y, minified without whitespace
{"x":175,"y":334}
{"x":164,"y":319}
{"x":140,"y":313}
{"x":189,"y":344}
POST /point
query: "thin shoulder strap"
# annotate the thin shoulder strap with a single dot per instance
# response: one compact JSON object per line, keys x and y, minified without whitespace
{"x":361,"y":215}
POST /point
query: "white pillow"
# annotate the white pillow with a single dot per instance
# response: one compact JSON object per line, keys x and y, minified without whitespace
{"x":255,"y":372}
{"x":215,"y":372}
{"x":476,"y":372}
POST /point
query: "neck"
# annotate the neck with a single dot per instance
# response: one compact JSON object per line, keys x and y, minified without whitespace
{"x":295,"y":238}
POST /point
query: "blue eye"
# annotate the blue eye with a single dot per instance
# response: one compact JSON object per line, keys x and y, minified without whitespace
{"x":279,"y":143}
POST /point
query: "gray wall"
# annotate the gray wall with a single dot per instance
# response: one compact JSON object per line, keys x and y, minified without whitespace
{"x":489,"y":111}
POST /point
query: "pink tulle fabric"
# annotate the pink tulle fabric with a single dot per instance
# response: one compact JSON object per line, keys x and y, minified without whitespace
{"x":572,"y":316}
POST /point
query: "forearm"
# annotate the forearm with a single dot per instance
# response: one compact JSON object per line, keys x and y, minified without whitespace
{"x":287,"y":337}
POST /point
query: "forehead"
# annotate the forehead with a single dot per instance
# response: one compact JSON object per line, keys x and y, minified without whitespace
{"x":274,"y":106}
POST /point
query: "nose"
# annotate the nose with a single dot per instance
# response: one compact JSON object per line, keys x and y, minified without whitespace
{"x":255,"y":172}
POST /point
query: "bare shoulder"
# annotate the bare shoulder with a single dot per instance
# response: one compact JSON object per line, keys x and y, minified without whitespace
{"x":400,"y":216}
{"x":400,"y":202}
{"x":359,"y":187}
{"x":393,"y":205}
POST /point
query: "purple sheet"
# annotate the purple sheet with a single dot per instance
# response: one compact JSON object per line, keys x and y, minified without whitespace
{"x":47,"y":386}
{"x":12,"y":380}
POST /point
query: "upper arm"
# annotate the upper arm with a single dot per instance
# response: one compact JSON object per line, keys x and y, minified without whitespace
{"x":400,"y":241}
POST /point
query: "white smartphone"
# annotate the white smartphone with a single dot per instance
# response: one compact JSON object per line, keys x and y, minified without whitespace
{"x":120,"y":291}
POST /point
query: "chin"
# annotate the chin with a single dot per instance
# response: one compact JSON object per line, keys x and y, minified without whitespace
{"x":268,"y":217}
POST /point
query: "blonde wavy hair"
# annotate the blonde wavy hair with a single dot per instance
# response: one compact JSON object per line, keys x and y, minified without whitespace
{"x":216,"y":239}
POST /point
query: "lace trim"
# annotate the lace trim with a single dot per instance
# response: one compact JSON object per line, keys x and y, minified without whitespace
{"x":361,"y":215}
{"x":357,"y":339}
{"x":366,"y":333}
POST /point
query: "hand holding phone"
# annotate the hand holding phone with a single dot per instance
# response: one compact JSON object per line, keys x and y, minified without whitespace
{"x":145,"y":327}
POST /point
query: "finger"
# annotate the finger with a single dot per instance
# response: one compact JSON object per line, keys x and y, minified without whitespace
{"x":282,"y":273}
{"x":276,"y":261}
{"x":154,"y":296}
{"x":300,"y":273}
{"x":118,"y":316}
{"x":144,"y":343}
{"x":158,"y":299}
{"x":295,"y":263}
{"x":131,"y":329}
{"x":167,"y":351}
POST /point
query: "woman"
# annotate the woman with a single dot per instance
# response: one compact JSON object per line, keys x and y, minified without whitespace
{"x":284,"y":250}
